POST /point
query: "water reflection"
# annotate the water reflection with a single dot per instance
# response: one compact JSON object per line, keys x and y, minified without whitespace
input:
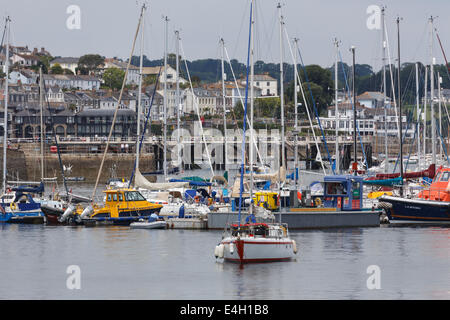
{"x":122,"y":263}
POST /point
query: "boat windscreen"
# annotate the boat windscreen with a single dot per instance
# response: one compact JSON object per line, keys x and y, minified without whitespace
{"x":133,"y":196}
{"x":445,"y":176}
{"x":436,"y":178}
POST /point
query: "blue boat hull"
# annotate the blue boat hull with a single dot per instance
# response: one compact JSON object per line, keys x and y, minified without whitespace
{"x":417,"y":210}
{"x":29,"y":213}
{"x":28,"y":217}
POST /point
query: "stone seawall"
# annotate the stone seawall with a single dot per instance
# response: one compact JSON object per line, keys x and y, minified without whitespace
{"x":87,"y":166}
{"x":82,"y":165}
{"x":16,"y":164}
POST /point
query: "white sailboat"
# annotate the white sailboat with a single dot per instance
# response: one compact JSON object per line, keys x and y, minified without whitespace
{"x":254,"y":241}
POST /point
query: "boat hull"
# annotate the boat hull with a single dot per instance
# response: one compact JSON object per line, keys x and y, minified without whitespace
{"x":255,"y":250}
{"x":126,"y":219}
{"x":149,"y":225}
{"x":28,"y":218}
{"x":416,"y":210}
{"x":187,"y":223}
{"x":52,"y":214}
{"x":23,"y":217}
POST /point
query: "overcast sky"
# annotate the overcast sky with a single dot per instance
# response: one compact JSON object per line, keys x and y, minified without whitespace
{"x":107,"y":27}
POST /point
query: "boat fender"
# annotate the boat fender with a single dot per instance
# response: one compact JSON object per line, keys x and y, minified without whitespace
{"x":87,"y":212}
{"x":13,"y":206}
{"x":67,"y":213}
{"x":181,"y":212}
{"x":221,"y":249}
{"x":294,"y":246}
{"x":318,"y":202}
{"x":218,"y":251}
{"x":231,"y":247}
{"x":284,"y":231}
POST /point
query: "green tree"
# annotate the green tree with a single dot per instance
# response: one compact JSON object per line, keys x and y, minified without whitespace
{"x":268,"y":107}
{"x":149,"y":79}
{"x":113,"y":78}
{"x":56,"y":69}
{"x":90,"y":62}
{"x":318,"y":90}
{"x":68,"y":71}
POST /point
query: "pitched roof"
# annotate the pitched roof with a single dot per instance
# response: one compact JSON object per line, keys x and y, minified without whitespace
{"x":118,"y":64}
{"x":65,"y":60}
{"x":70,"y":77}
{"x":370,"y":95}
{"x":152,"y":70}
{"x":105,"y":112}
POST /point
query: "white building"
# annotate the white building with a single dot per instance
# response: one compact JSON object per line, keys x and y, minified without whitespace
{"x":25,"y":60}
{"x":55,"y":94}
{"x":133,"y":71}
{"x":66,"y":63}
{"x":369,"y":121}
{"x":171,"y":74}
{"x":80,"y":82}
{"x":267,"y":84}
{"x":24,"y":76}
{"x":372,"y":100}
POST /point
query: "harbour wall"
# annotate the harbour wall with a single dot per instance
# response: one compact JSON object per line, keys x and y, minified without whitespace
{"x":26,"y":166}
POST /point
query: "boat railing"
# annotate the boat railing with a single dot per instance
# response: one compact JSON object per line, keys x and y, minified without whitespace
{"x":430,"y":193}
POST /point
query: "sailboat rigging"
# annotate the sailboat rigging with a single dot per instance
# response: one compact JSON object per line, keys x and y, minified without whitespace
{"x":254,"y":241}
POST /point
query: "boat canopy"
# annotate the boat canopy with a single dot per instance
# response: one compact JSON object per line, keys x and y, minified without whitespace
{"x":192,"y":183}
{"x":30,"y":189}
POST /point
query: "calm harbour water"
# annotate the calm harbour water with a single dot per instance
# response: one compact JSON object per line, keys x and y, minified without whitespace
{"x":121,"y":263}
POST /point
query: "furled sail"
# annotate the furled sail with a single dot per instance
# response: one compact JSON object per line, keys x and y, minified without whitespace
{"x":141,"y":182}
{"x":280,"y":175}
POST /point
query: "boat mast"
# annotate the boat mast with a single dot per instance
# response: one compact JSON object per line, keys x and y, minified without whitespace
{"x":418,"y":116}
{"x":114,"y":117}
{"x":282,"y":87}
{"x":337,"y":160}
{"x":386,"y":156}
{"x":41,"y":105}
{"x":440,"y":115}
{"x":425,"y":115}
{"x":166,"y":20}
{"x":177,"y":97}
{"x":295,"y":112}
{"x":224,"y":104}
{"x":355,"y":163}
{"x":252,"y":76}
{"x":399,"y":99}
{"x":139,"y":106}
{"x":433,"y":124}
{"x":5,"y":124}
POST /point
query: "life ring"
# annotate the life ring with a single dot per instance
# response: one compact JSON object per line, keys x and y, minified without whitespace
{"x":13,"y":206}
{"x":197,"y":199}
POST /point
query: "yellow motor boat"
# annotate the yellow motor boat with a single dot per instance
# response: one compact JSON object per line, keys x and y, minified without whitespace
{"x":122,"y":206}
{"x":266,"y":199}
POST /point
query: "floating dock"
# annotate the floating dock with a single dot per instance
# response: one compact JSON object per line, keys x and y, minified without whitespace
{"x":306,"y":218}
